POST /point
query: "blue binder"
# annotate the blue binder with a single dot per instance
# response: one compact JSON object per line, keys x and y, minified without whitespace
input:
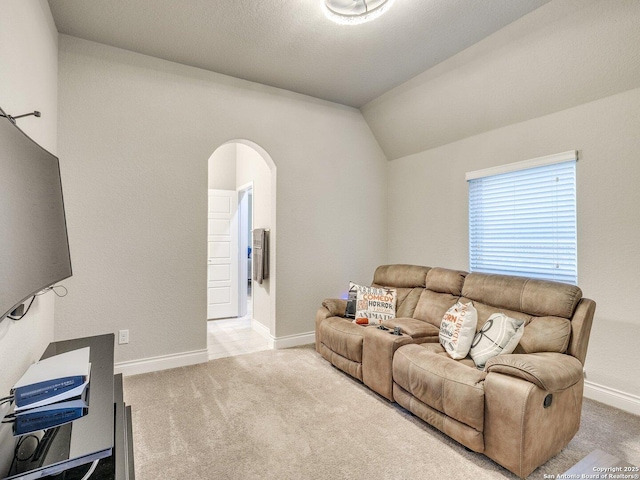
{"x":54,"y":379}
{"x":37,"y":392}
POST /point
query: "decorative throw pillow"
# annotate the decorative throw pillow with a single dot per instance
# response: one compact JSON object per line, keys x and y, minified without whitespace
{"x":458,"y":328}
{"x":500,"y":335}
{"x":374,"y":304}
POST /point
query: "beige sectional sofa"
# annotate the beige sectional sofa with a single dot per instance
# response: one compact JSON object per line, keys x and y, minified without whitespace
{"x":520,"y":409}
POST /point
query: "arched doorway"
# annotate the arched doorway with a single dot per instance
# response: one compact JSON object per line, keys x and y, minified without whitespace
{"x":241,"y":310}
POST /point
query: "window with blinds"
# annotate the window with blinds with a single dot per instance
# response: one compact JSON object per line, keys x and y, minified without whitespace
{"x":522,"y":219}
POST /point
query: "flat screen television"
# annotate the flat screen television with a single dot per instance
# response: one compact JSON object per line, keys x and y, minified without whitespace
{"x":34,"y":247}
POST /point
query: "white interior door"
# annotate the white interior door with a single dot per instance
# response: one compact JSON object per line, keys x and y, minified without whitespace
{"x":222,"y":264}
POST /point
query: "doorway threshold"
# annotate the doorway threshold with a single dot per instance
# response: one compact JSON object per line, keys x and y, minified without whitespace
{"x":229,"y":337}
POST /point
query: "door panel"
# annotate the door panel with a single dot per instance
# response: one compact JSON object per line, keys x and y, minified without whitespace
{"x":219,"y":203}
{"x":219,"y":295}
{"x":222,"y":268}
{"x":219,"y":273}
{"x":219,"y":227}
{"x":220,"y":250}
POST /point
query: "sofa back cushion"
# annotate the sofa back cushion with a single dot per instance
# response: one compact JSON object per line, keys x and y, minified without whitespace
{"x":400,"y":276}
{"x":545,"y":334}
{"x":443,"y":288}
{"x":443,"y":280}
{"x":546,"y":307}
{"x":539,"y":298}
{"x":407,"y":301}
{"x":541,"y":334}
{"x":408,"y":280}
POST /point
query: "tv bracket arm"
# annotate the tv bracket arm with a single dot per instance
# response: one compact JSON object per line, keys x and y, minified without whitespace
{"x":13,"y":119}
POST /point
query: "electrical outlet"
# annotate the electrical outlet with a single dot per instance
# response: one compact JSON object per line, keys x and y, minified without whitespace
{"x":123,"y":337}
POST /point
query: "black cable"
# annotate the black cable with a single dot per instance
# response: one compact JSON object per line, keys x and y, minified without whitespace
{"x":53,"y":287}
{"x":27,"y":311}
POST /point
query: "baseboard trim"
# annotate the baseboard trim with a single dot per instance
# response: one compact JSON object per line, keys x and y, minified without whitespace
{"x":162,"y":362}
{"x":287,"y":341}
{"x":610,"y":396}
{"x":296,"y":340}
{"x":263,"y":331}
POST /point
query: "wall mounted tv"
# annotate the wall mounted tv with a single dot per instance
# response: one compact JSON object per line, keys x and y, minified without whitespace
{"x":34,"y":248}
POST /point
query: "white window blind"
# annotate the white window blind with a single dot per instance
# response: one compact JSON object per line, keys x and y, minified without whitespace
{"x":523,"y":222}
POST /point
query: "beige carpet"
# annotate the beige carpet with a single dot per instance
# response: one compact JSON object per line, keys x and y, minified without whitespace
{"x":288,"y":414}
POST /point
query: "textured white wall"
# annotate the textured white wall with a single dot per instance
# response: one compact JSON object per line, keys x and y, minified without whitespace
{"x":564,"y":54}
{"x":135,"y":134}
{"x":222,"y":168}
{"x":429,"y":223}
{"x":28,"y":82}
{"x":581,"y":55}
{"x":252,"y":168}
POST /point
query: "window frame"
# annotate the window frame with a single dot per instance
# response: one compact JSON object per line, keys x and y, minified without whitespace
{"x":486,"y":238}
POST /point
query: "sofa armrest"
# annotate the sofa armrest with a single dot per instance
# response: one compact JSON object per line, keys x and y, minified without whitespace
{"x":336,"y":306}
{"x":378,"y":347}
{"x":522,"y":430}
{"x":552,"y":372}
{"x":331,"y":307}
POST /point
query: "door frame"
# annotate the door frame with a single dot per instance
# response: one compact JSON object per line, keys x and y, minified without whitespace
{"x":265,"y":306}
{"x":244,"y":243}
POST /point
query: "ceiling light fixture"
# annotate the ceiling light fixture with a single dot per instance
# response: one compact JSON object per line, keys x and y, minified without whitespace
{"x":354,"y":12}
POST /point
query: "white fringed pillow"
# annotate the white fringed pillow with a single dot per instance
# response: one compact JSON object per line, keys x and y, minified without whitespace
{"x":498,"y":336}
{"x":457,"y":329}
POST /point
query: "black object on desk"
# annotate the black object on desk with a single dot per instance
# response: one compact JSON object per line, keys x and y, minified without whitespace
{"x":67,"y":451}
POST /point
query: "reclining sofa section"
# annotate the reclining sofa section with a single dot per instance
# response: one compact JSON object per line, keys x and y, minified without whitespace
{"x":522,"y":408}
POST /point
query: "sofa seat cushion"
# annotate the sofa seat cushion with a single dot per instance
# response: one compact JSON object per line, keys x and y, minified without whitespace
{"x":444,"y":384}
{"x":343,"y":337}
{"x":414,"y":328}
{"x":438,"y":349}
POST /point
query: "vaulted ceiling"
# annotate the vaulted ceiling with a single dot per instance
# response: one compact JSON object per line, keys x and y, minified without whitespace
{"x":291,"y":44}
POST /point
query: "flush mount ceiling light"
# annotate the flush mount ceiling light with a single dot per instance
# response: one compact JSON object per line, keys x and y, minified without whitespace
{"x":354,"y":12}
